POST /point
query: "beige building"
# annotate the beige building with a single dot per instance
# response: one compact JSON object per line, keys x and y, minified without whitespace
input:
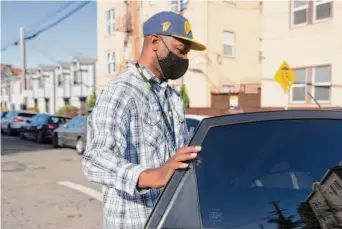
{"x":231,"y":30}
{"x":308,"y":35}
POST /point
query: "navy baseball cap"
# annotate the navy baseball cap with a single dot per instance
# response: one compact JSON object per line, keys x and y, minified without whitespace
{"x":171,"y":24}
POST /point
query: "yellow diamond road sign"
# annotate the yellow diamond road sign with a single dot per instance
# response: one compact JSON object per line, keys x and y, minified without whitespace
{"x":285,"y":77}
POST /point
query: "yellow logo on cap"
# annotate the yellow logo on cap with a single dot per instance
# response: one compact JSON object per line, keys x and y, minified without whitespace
{"x":187,"y":27}
{"x":166,"y":25}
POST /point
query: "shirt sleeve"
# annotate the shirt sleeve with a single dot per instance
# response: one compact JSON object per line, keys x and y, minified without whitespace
{"x":104,"y":159}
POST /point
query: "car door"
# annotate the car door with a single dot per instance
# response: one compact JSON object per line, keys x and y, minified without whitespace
{"x":5,"y":122}
{"x":68,"y":133}
{"x":264,"y":170}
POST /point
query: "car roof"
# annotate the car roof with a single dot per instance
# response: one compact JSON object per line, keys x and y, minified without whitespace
{"x":197,"y":117}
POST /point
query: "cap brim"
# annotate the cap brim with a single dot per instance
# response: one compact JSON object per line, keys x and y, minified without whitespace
{"x":194,"y":45}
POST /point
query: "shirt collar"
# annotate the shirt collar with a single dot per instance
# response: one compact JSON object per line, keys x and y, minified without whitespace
{"x":153,"y":79}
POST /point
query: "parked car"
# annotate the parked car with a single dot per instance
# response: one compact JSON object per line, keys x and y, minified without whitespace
{"x":13,"y":121}
{"x":258,"y":170}
{"x":192,"y":121}
{"x":41,"y":126}
{"x":3,"y":113}
{"x":72,"y":134}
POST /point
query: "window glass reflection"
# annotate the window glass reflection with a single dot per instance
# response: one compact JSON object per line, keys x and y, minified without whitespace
{"x":275,"y":174}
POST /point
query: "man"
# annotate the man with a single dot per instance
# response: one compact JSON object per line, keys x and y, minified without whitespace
{"x":137,"y":132}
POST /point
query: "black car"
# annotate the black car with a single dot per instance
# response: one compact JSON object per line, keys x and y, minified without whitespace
{"x":41,"y":126}
{"x":279,"y":169}
{"x":72,"y":134}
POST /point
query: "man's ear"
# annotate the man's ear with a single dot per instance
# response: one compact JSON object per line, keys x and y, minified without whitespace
{"x":154,"y":41}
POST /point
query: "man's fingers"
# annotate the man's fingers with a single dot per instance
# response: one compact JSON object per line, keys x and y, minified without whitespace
{"x":185,"y":157}
{"x":190,"y":149}
{"x":181,"y":165}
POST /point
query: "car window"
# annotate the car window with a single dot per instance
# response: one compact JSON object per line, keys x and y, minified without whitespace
{"x":25,"y":115}
{"x":83,"y":122}
{"x":72,"y":122}
{"x":56,"y":120}
{"x":11,"y":114}
{"x":192,"y":123}
{"x":266,"y":174}
{"x":250,"y":173}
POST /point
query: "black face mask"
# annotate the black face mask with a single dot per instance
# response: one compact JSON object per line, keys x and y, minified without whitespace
{"x":172,"y":66}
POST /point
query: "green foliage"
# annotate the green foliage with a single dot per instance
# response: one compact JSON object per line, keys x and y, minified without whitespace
{"x":91,"y":100}
{"x":307,"y":216}
{"x":33,"y":109}
{"x":3,"y":109}
{"x":184,"y":94}
{"x":68,"y":110}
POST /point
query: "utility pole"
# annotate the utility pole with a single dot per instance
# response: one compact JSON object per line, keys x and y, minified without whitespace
{"x":23,"y":65}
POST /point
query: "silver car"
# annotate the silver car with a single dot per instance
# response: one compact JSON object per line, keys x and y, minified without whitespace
{"x":14,"y":121}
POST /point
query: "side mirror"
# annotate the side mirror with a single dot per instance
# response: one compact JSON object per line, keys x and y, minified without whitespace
{"x":28,"y":121}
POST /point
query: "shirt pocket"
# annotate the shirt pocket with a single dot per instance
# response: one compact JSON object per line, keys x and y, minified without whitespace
{"x":152,"y":125}
{"x":179,"y":124}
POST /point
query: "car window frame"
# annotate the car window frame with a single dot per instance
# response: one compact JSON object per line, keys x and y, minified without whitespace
{"x":157,"y":215}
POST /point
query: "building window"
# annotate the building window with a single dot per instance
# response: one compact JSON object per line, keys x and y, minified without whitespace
{"x":110,"y":56}
{"x":322,"y":9}
{"x":66,"y":101}
{"x":110,"y":21}
{"x":338,"y":186}
{"x":173,"y":4}
{"x":300,"y":12}
{"x":228,"y":44}
{"x":231,"y":1}
{"x":298,"y":91}
{"x":59,"y":80}
{"x":77,"y":77}
{"x":47,"y":103}
{"x":35,"y":103}
{"x":333,"y":190}
{"x":321,"y":83}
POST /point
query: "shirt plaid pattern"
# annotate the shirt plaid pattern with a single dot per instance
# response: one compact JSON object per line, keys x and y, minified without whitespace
{"x":126,"y":135}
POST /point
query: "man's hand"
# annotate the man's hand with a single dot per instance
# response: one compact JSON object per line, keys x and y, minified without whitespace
{"x":158,"y":177}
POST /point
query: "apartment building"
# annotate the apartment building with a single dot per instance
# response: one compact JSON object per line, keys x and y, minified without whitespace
{"x":50,"y":87}
{"x":308,"y":35}
{"x":10,"y":86}
{"x":230,"y":30}
{"x":326,"y":199}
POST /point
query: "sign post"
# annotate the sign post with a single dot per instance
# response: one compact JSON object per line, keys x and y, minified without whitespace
{"x":286,"y":78}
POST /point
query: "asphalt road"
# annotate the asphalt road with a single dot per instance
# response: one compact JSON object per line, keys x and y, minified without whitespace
{"x":42,"y":187}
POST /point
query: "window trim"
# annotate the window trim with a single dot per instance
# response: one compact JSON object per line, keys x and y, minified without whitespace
{"x":305,"y":84}
{"x":326,"y":84}
{"x":107,"y":62}
{"x":111,"y":21}
{"x":234,"y":44}
{"x":163,"y":202}
{"x":315,"y":4}
{"x":293,"y":9}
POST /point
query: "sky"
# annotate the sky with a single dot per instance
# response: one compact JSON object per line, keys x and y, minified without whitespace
{"x":75,"y":36}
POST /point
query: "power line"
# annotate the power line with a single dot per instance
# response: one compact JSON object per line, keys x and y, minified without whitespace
{"x":80,"y":6}
{"x":43,"y":21}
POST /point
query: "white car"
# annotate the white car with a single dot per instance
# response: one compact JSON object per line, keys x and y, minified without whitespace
{"x":192,"y":121}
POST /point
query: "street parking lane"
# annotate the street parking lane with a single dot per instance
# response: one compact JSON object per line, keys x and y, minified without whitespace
{"x":32,"y":195}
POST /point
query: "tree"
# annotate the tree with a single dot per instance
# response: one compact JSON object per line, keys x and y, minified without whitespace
{"x":91,"y":100}
{"x":307,"y":216}
{"x":184,"y":94}
{"x":68,"y":110}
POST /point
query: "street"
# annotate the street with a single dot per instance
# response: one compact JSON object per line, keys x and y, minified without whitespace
{"x":44,"y":187}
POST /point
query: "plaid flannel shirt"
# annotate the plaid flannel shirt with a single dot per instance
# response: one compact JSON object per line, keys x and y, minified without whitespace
{"x":125,"y":136}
